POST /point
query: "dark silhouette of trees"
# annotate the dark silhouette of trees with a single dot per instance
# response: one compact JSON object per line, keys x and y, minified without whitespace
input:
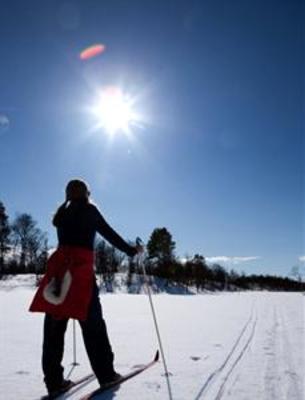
{"x":161,"y":246}
{"x":24,"y":249}
{"x":220,"y":275}
{"x":107,"y":262}
{"x":160,"y":254}
{"x":268,"y":282}
{"x":29,"y":242}
{"x":5,"y":231}
{"x":42,"y":258}
{"x":101,"y":256}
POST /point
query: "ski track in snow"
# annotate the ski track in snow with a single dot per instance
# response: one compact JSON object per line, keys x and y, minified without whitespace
{"x":218,"y":378}
{"x":272,"y":365}
{"x":247,"y":346}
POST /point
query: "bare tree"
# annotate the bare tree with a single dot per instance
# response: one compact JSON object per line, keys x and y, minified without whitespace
{"x":29,"y":240}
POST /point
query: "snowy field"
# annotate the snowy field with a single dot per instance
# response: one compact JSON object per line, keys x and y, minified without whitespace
{"x":241,"y":346}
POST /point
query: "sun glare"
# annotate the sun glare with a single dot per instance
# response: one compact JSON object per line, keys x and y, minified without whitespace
{"x":113,"y":111}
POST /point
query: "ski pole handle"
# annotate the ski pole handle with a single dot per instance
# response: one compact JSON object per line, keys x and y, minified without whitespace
{"x":139,"y":241}
{"x":139,"y":245}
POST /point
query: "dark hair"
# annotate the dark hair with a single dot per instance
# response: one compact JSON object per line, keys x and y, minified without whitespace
{"x":77,"y":189}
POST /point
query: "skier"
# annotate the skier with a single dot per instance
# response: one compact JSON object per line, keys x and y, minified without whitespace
{"x":69,"y":289}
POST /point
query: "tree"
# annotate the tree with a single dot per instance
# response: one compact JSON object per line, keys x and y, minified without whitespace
{"x":101,"y":256}
{"x":130,"y":274}
{"x":200,"y":272}
{"x":220,"y":275}
{"x":107,"y":261}
{"x":233,"y":277}
{"x":160,"y":245}
{"x":42,"y":257}
{"x":4,"y":235}
{"x":29,"y":240}
{"x":41,"y":262}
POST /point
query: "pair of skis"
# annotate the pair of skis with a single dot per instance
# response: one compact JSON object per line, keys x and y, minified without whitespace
{"x":104,"y":387}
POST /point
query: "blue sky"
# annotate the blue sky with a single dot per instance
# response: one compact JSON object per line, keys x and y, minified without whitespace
{"x":219,"y":158}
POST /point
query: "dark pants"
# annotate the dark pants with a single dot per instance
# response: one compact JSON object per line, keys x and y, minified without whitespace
{"x":96,"y":342}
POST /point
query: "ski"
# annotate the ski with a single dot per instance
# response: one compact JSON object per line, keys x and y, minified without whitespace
{"x":73,"y":384}
{"x":123,"y":378}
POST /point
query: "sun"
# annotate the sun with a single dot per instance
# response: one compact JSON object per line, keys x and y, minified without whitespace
{"x":114,"y":111}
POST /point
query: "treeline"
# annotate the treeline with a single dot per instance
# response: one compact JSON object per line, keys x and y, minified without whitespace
{"x":161,"y":261}
{"x":24,"y":249}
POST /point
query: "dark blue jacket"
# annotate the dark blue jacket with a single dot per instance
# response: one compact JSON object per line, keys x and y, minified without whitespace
{"x":77,"y":223}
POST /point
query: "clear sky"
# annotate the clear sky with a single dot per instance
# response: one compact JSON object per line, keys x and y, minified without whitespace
{"x":218,"y":158}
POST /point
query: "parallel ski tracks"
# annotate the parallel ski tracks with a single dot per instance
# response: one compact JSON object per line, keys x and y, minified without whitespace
{"x":217,"y":379}
{"x":237,"y":360}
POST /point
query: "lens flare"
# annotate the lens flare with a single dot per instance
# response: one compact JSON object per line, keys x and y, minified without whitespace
{"x":92,"y":51}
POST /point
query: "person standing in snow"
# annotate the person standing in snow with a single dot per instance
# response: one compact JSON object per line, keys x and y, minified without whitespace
{"x":69,"y":289}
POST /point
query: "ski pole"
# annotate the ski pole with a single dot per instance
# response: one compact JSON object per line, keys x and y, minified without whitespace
{"x":167,"y":374}
{"x":75,"y":363}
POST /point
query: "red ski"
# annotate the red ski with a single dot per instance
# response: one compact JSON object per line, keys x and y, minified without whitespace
{"x":122,"y":379}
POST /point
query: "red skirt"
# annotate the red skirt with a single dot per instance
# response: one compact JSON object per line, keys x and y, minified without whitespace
{"x":66,"y":289}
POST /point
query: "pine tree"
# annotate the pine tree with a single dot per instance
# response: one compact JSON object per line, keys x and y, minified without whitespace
{"x":161,"y":245}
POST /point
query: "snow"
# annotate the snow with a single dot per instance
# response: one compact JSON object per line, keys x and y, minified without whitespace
{"x":241,"y":346}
